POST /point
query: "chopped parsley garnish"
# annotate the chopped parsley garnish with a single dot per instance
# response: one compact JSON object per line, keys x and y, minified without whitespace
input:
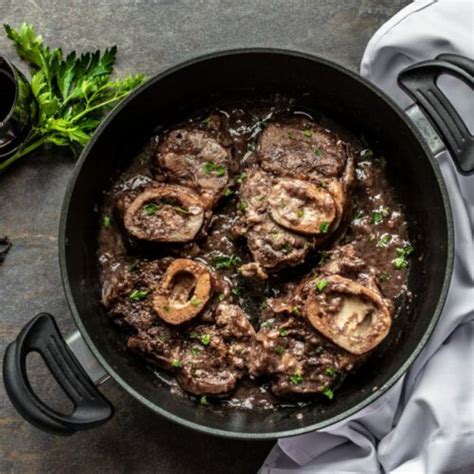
{"x":228,"y":192}
{"x":367,"y":154}
{"x":243,"y":205}
{"x":321,"y":284}
{"x":211,"y":167}
{"x":240,"y":177}
{"x":358,"y":213}
{"x":384,"y":276}
{"x":203,"y":400}
{"x":300,"y":213}
{"x":225,"y":261}
{"x":401,"y":260}
{"x":195,"y":351}
{"x":176,"y":364}
{"x":220,"y":296}
{"x":195,"y":301}
{"x":328,"y":393}
{"x":106,"y":222}
{"x":295,"y":310}
{"x":137,"y":295}
{"x":267,"y":324}
{"x":150,"y":209}
{"x":206,"y":339}
{"x":384,"y":240}
{"x":317,"y":151}
{"x":296,"y":379}
{"x":283,"y":332}
{"x":330,"y":371}
{"x":279,"y":350}
{"x":308,"y":133}
{"x":235,"y":291}
{"x":287,"y":248}
{"x":377,"y":216}
{"x":324,"y":227}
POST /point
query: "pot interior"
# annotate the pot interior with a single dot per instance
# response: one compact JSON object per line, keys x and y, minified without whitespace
{"x":343,"y":97}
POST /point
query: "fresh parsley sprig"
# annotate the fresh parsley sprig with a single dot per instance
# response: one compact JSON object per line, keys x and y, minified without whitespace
{"x":72,"y":93}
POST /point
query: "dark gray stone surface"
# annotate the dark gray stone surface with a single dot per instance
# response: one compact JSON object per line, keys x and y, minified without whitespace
{"x":151,"y":35}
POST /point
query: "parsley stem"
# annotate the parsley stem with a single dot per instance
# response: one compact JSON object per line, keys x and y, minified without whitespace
{"x":23,"y":151}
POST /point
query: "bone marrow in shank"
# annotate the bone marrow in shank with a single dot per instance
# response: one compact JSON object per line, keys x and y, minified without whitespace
{"x":183,"y":292}
{"x":349,"y":314}
{"x":165,"y":213}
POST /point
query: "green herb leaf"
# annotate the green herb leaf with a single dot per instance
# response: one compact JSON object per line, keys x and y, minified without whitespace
{"x":72,"y":92}
{"x":283,"y":332}
{"x":138,"y":295}
{"x":324,"y":227}
{"x":321,"y":284}
{"x":203,"y":400}
{"x":378,"y":215}
{"x":106,"y":222}
{"x":228,"y":192}
{"x":240,"y":177}
{"x":330,"y":371}
{"x":300,"y":213}
{"x":221,"y":296}
{"x":384,"y":240}
{"x":176,"y":363}
{"x":211,"y":167}
{"x":317,"y":151}
{"x":308,"y":133}
{"x":206,"y":339}
{"x":296,"y":379}
{"x":225,"y":261}
{"x":150,"y":209}
{"x":243,"y":205}
{"x":195,"y":351}
{"x":328,"y":393}
{"x":279,"y":350}
{"x":195,"y":301}
{"x":401,"y":261}
{"x":295,"y":310}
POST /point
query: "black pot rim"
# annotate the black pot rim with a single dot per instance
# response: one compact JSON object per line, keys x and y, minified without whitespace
{"x":278,"y":434}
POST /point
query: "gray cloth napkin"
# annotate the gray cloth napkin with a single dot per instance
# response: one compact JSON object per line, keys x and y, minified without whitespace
{"x":425,"y":423}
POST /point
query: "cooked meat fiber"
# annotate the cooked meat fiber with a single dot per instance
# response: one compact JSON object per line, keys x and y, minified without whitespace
{"x":195,"y":159}
{"x":165,"y":213}
{"x":302,"y":149}
{"x":296,"y":196}
{"x":301,"y":361}
{"x":209,"y":357}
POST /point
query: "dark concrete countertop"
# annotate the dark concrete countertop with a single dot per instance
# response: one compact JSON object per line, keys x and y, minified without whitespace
{"x":151,"y":35}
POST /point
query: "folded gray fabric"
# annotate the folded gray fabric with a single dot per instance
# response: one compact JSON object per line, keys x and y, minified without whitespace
{"x":425,"y":423}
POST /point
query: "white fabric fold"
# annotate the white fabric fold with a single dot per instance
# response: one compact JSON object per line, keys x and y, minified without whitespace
{"x":425,"y":423}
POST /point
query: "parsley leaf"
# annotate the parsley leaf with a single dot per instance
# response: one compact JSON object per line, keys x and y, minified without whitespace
{"x":378,"y":215}
{"x":225,"y":261}
{"x":138,"y":295}
{"x":321,"y":284}
{"x":195,"y":301}
{"x":384,"y":240}
{"x":150,"y":209}
{"x":401,"y":260}
{"x":176,"y":363}
{"x":211,"y":167}
{"x":279,"y":350}
{"x":324,"y":227}
{"x":296,"y":379}
{"x":106,"y":222}
{"x":328,"y":393}
{"x":72,"y":92}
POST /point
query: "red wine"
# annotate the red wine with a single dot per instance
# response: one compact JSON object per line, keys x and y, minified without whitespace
{"x":7,"y":94}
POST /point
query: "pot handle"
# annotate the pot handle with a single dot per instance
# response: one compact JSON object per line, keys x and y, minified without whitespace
{"x":420,"y":82}
{"x":42,"y":335}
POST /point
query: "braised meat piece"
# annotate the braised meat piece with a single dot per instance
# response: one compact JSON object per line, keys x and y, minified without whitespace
{"x":296,"y":194}
{"x":208,"y":357}
{"x":165,"y":213}
{"x":196,"y":159}
{"x":300,"y":360}
{"x":302,"y":149}
{"x":128,"y":293}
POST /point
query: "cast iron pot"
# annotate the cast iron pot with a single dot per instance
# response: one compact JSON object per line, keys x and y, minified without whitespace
{"x":171,"y":96}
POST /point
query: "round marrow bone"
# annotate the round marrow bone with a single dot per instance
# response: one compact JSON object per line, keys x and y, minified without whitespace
{"x":301,"y":206}
{"x":351,"y":315}
{"x":183,"y":292}
{"x":165,"y":213}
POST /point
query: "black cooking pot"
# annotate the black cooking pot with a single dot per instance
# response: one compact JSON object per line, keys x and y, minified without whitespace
{"x":172,"y":96}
